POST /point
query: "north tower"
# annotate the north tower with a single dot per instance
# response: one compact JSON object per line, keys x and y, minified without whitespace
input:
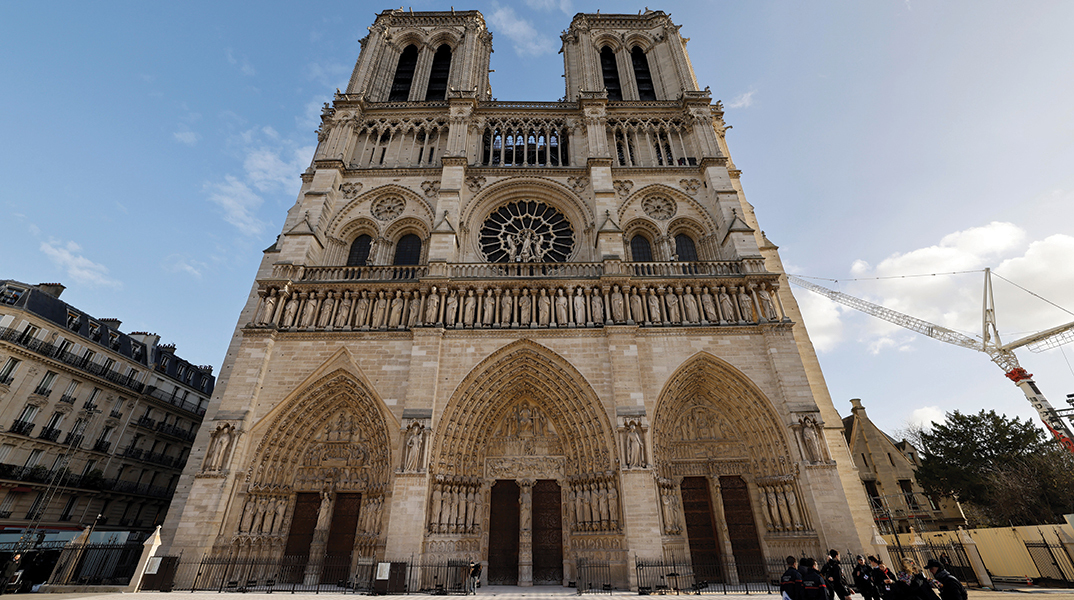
{"x":532,"y":334}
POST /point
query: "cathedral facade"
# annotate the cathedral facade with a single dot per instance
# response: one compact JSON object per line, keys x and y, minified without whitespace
{"x":524,"y":333}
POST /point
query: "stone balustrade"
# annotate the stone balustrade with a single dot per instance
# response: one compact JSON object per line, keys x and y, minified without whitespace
{"x":519,"y":295}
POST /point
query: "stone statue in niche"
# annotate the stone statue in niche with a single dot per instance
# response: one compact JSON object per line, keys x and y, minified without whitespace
{"x":432,"y":307}
{"x":635,"y":448}
{"x":361,"y":310}
{"x":689,"y":306}
{"x":727,"y":307}
{"x":488,"y":308}
{"x":469,"y":309}
{"x":811,"y":440}
{"x":561,"y":308}
{"x":451,"y":307}
{"x":596,"y":306}
{"x":525,"y":308}
{"x":618,"y":312}
{"x":326,"y":310}
{"x":709,"y":304}
{"x":220,"y":445}
{"x":544,"y":309}
{"x":289,"y":310}
{"x":415,"y":310}
{"x":395,"y":316}
{"x":768,"y":308}
{"x":270,"y":308}
{"x":637,"y":307}
{"x":579,"y":308}
{"x":745,"y":305}
{"x":654,"y":307}
{"x":413,"y":446}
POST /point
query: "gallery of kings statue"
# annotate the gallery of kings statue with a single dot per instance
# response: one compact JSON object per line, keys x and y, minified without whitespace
{"x":527,"y":334}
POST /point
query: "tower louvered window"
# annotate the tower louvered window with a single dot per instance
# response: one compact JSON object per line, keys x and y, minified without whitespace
{"x":438,"y":77}
{"x":404,"y":74}
{"x":610,"y":71}
{"x":642,"y":75}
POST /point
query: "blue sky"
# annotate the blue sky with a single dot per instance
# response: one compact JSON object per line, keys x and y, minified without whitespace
{"x":150,"y":151}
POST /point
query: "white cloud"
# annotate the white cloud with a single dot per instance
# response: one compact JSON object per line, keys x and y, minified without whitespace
{"x":243,"y":64}
{"x":239,"y":204}
{"x":926,"y":416}
{"x":954,"y":301}
{"x":311,"y":118}
{"x":744,"y":100}
{"x":822,"y":320}
{"x":83,"y":270}
{"x":177,"y":263}
{"x":566,"y":6}
{"x":329,"y":75}
{"x":523,"y":36}
{"x":186,"y":137}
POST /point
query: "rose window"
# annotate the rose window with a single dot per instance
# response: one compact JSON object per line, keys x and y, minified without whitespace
{"x":387,"y":208}
{"x":660,"y":208}
{"x":526,"y":231}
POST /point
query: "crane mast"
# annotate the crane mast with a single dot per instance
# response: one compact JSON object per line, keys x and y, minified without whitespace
{"x":990,"y":344}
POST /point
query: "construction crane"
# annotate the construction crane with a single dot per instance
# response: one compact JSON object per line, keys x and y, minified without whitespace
{"x":989,"y":343}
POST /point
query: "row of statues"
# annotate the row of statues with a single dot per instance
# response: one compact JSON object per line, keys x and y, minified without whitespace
{"x":779,"y":508}
{"x":533,"y":307}
{"x":593,"y":505}
{"x":454,"y":506}
{"x":263,"y":515}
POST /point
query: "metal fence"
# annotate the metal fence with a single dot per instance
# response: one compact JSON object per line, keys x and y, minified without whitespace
{"x":715,"y":577}
{"x":952,"y":555}
{"x":97,"y":564}
{"x":1054,"y":563}
{"x":594,"y":576}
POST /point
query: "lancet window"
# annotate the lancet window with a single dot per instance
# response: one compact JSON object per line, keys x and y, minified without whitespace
{"x":535,"y":143}
{"x":408,"y":250}
{"x":651,"y":142}
{"x":410,"y":142}
{"x":438,"y":77}
{"x":359,"y":254}
{"x":640,"y":249}
{"x":610,"y":71}
{"x":685,"y":248}
{"x":404,"y":74}
{"x":646,"y":91}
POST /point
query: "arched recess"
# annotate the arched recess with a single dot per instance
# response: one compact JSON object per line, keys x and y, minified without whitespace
{"x":523,"y":371}
{"x":645,"y":228}
{"x":743,"y":424}
{"x":359,"y":209}
{"x":687,"y":205}
{"x":332,"y":434}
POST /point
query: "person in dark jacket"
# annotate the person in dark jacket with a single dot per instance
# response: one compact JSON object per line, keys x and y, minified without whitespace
{"x":950,"y":587}
{"x":813,"y":587}
{"x":790,"y":584}
{"x":10,"y":567}
{"x":833,"y":575}
{"x":863,"y":580}
{"x":883,"y":578}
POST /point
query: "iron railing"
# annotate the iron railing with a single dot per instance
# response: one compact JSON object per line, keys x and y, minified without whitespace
{"x":96,"y":564}
{"x":952,"y":555}
{"x":1053,"y":561}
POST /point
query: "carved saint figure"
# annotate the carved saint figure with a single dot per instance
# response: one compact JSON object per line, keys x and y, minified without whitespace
{"x":324,"y":512}
{"x":596,"y":306}
{"x":326,"y":310}
{"x":525,"y":308}
{"x":415,"y":310}
{"x":219,"y":445}
{"x":709,"y":304}
{"x":671,"y":299}
{"x":344,"y":312}
{"x":526,"y":506}
{"x":618,"y":312}
{"x":488,"y":308}
{"x":309,"y":310}
{"x":637,"y":306}
{"x":289,"y":310}
{"x":561,"y":308}
{"x":544,"y":309}
{"x":451,"y":307}
{"x":745,"y":305}
{"x":380,"y":311}
{"x":412,"y":462}
{"x":362,"y":310}
{"x":727,"y":307}
{"x":248,"y":512}
{"x":579,"y":308}
{"x":395,"y":317}
{"x":635,"y":454}
{"x":811,"y":440}
{"x":506,"y":306}
{"x":269,"y":310}
{"x":767,"y":307}
{"x":654,"y":307}
{"x":432,"y":307}
{"x":469,"y":308}
{"x":689,"y":306}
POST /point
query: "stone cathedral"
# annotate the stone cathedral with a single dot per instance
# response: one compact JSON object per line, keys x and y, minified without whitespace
{"x":524,"y":333}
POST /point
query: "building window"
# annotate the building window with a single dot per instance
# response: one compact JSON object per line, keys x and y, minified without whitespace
{"x":95,"y":331}
{"x":610,"y":71}
{"x":132,"y":375}
{"x":113,"y":340}
{"x":63,"y":348}
{"x":69,"y":508}
{"x":438,"y":77}
{"x":45,"y":387}
{"x":5,"y":451}
{"x":642,"y":75}
{"x":684,"y":247}
{"x":74,"y":321}
{"x":28,"y":413}
{"x":54,"y":421}
{"x":36,"y":507}
{"x":137,"y":350}
{"x":87,"y":357}
{"x":640,"y":249}
{"x":9,"y":504}
{"x":404,"y":74}
{"x":29,"y":333}
{"x":359,"y":254}
{"x":408,"y":250}
{"x":93,"y":396}
{"x":34,"y":458}
{"x":90,"y":466}
{"x":108,"y":364}
{"x":11,"y":295}
{"x":8,"y":372}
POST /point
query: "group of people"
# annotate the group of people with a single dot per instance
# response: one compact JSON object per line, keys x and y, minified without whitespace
{"x":872,"y":579}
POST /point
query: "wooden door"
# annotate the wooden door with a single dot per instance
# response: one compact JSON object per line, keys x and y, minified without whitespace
{"x":547,"y":534}
{"x":741,"y":527}
{"x":701,"y":528}
{"x":303,"y":523}
{"x":503,"y":533}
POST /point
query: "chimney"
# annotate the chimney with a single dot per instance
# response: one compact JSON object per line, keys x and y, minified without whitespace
{"x":855,"y":406}
{"x":112,"y":324}
{"x":52,"y":289}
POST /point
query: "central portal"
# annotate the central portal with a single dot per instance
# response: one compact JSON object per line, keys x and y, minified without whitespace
{"x":547,"y":534}
{"x":503,"y":533}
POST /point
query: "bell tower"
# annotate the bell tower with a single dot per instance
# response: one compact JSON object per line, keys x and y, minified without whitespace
{"x":419,"y":57}
{"x":640,"y":57}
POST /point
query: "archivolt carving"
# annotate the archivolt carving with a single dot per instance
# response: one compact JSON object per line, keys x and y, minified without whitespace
{"x":522,"y":375}
{"x":709,"y":410}
{"x":333,"y":434}
{"x":358,"y":208}
{"x":682,"y":199}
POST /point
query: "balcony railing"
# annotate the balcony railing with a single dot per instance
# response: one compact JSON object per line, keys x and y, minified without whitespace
{"x":49,"y":434}
{"x":115,"y":414}
{"x":174,"y":400}
{"x":102,"y":446}
{"x":7,"y":380}
{"x":172,"y":430}
{"x":72,"y":440}
{"x":132,"y":452}
{"x":42,"y":391}
{"x":53,"y":351}
{"x":21,"y":427}
{"x":67,"y":399}
{"x":146,"y":422}
{"x":40,"y":474}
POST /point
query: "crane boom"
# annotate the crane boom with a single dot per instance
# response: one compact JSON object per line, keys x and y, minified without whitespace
{"x":1003,"y":356}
